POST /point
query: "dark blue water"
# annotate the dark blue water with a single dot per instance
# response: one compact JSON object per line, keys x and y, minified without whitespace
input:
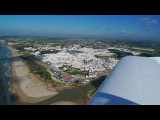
{"x":5,"y":75}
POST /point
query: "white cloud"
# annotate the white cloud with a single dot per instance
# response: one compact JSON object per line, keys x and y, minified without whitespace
{"x":123,"y":31}
{"x":146,"y":19}
{"x":150,"y":21}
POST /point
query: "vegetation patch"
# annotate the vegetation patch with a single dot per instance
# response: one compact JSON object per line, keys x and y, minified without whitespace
{"x":49,"y":51}
{"x":36,"y":67}
{"x":92,"y":92}
{"x":76,"y":72}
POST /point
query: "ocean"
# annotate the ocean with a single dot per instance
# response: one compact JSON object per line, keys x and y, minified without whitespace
{"x":5,"y":76}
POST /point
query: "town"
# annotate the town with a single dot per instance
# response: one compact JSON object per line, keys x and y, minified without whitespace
{"x":73,"y":60}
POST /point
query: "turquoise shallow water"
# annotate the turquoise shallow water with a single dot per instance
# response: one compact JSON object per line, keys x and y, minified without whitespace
{"x":5,"y":75}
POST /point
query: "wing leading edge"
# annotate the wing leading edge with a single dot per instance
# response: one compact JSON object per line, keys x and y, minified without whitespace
{"x":134,"y":81}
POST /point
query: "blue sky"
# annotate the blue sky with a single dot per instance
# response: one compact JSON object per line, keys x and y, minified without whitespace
{"x":135,"y":27}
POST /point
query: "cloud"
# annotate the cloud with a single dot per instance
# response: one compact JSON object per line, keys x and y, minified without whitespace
{"x":123,"y":32}
{"x":150,"y":21}
{"x":146,"y":19}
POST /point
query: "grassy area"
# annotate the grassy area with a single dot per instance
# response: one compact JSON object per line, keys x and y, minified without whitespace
{"x":92,"y":92}
{"x":144,"y":53}
{"x":39,"y":69}
{"x":146,"y":45}
{"x":21,"y":47}
{"x":76,"y":72}
{"x":48,"y":51}
{"x":36,"y":67}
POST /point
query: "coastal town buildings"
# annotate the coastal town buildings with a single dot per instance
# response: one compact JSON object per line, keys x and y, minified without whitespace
{"x":74,"y":61}
{"x":83,"y":59}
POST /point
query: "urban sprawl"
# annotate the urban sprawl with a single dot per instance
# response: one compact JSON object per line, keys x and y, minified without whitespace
{"x":74,"y":60}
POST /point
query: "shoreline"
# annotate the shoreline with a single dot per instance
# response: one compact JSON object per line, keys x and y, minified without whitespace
{"x":19,"y":91}
{"x":26,"y":96}
{"x":22,"y":98}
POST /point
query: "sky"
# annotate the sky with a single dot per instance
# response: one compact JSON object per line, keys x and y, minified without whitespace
{"x":131,"y":27}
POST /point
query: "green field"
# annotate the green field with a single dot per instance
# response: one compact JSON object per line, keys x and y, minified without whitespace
{"x":48,"y":51}
{"x":92,"y":92}
{"x":76,"y":72}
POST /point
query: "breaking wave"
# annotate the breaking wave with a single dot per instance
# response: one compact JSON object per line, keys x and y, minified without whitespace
{"x":5,"y":76}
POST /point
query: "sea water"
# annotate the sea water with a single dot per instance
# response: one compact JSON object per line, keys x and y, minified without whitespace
{"x":5,"y":75}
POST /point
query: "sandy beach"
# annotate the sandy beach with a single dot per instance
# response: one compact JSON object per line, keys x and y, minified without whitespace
{"x":27,"y":86}
{"x":30,"y":88}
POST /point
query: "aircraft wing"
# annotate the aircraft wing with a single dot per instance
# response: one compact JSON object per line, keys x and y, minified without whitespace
{"x":134,"y":81}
